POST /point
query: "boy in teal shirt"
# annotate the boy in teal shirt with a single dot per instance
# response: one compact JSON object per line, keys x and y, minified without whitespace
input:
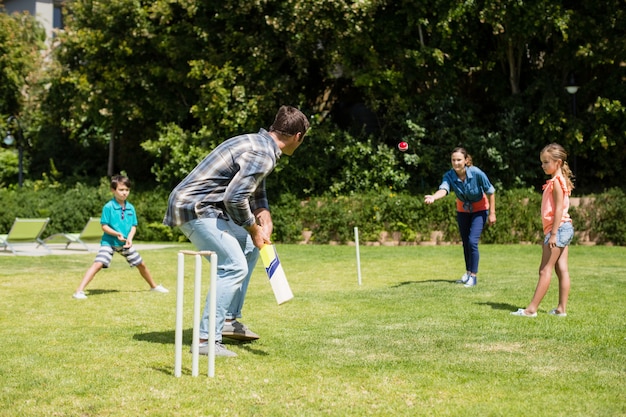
{"x":119,"y":224}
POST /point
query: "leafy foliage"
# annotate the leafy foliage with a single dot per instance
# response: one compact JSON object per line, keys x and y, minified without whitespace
{"x":609,"y":221}
{"x":382,"y":216}
{"x":21,"y":42}
{"x":150,"y":87}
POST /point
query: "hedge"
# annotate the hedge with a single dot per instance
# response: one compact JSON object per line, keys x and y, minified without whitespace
{"x":382,"y":218}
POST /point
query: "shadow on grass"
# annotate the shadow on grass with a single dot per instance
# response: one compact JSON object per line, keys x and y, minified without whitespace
{"x":401,"y":284}
{"x":499,"y":306}
{"x":167,"y":338}
{"x":248,"y":346}
{"x":100,"y":292}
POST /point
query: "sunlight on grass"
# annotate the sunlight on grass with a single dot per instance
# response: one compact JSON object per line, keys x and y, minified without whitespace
{"x":408,"y":341}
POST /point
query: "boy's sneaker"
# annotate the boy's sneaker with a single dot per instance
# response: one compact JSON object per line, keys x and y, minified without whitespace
{"x":463,"y":279}
{"x":220,"y":350}
{"x":160,"y":288}
{"x":238,"y":331}
{"x":471,"y":281}
{"x":80,"y":295}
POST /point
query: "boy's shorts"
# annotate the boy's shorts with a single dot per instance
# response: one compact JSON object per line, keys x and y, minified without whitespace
{"x":105,"y":255}
{"x":564,"y":235}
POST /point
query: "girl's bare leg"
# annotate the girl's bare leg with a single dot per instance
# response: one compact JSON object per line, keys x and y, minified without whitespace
{"x":549,"y":258}
{"x":562,"y":271}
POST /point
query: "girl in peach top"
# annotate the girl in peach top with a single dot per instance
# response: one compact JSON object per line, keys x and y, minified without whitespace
{"x":558,"y":230}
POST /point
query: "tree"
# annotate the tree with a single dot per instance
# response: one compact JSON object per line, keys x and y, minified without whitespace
{"x":165,"y":82}
{"x":119,"y":76}
{"x":21,"y":43}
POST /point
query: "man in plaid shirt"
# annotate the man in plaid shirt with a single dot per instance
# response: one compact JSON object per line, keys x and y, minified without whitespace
{"x":222,"y":206}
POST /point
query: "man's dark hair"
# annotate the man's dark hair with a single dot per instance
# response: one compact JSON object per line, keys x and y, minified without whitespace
{"x":289,"y":121}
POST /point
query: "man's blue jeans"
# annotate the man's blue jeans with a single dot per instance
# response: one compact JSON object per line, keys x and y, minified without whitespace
{"x":471,"y":227}
{"x":236,"y":259}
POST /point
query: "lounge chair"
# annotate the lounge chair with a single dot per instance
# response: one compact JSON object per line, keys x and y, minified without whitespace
{"x":92,"y":232}
{"x":25,"y":232}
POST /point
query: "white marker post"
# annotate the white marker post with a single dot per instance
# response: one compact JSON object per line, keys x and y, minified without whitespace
{"x":212,"y":312}
{"x":358,"y":255}
{"x":178,"y":334}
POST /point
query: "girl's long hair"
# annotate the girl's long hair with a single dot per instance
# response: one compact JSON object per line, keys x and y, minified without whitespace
{"x":557,"y":152}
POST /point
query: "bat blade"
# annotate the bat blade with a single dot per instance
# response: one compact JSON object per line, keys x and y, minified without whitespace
{"x":276,"y":274}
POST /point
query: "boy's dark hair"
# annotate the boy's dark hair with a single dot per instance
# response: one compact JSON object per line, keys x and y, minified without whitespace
{"x":289,"y":121}
{"x":119,"y":179}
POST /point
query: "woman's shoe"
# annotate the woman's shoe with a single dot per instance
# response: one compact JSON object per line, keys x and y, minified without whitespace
{"x":471,"y":281}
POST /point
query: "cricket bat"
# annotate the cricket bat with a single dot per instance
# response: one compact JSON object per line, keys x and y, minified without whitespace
{"x":276,"y":275}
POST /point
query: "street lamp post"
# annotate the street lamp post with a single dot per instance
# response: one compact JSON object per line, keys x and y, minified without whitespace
{"x":572,"y":89}
{"x":18,"y":140}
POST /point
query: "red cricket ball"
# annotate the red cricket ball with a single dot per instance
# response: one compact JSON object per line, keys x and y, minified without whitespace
{"x":403,"y":146}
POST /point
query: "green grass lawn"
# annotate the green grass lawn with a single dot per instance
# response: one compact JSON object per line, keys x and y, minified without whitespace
{"x":407,"y":342}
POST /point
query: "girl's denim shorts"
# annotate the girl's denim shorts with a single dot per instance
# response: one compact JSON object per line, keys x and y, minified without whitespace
{"x":564,"y":235}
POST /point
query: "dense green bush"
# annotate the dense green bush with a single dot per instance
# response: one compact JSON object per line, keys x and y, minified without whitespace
{"x":70,"y":208}
{"x":518,"y":218}
{"x":404,"y":217}
{"x":286,"y":215}
{"x":608,"y":223}
{"x":380,"y":216}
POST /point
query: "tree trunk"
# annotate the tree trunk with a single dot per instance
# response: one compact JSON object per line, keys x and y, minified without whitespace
{"x":514,"y":67}
{"x":111,"y":153}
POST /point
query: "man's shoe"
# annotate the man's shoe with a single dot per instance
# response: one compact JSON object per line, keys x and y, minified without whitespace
{"x":471,"y":281}
{"x":80,"y":295}
{"x":238,"y":331}
{"x":220,"y":350}
{"x":463,"y":279}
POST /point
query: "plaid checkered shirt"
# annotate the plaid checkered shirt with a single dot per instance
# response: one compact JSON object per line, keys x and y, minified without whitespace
{"x":228,"y":183}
